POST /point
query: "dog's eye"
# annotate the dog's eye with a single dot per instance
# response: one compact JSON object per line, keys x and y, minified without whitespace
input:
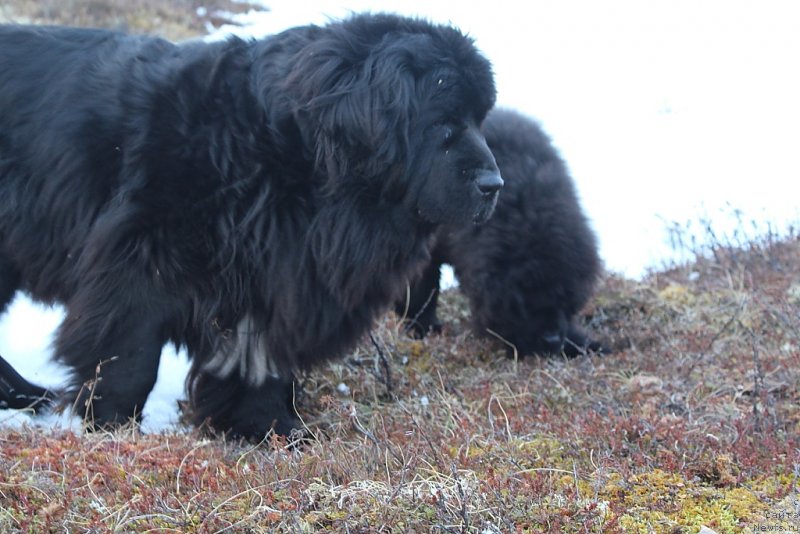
{"x":447,"y":130}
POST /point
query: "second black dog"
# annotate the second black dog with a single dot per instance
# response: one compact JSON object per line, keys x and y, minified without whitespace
{"x":533,"y":266}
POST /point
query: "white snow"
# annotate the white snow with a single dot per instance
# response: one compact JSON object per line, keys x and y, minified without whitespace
{"x":665,"y":112}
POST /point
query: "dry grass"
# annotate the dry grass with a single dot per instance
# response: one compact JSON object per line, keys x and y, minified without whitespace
{"x":173,"y":19}
{"x":693,"y":421}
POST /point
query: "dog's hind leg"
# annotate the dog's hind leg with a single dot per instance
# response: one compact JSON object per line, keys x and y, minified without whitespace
{"x":112,"y":340}
{"x":15,"y":391}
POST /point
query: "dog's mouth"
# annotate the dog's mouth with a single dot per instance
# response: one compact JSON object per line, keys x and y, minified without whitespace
{"x":488,"y":183}
{"x":486,"y":208}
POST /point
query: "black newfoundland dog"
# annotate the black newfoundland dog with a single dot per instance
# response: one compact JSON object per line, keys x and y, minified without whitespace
{"x":258,"y":202}
{"x":530,"y":269}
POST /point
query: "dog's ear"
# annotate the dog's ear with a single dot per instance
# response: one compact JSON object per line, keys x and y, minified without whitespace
{"x":355,"y":107}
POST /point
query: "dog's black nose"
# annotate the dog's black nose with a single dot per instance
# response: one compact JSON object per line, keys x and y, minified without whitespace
{"x":489,"y":182}
{"x":554,"y":340}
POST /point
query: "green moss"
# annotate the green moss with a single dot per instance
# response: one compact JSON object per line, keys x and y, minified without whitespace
{"x":660,"y":500}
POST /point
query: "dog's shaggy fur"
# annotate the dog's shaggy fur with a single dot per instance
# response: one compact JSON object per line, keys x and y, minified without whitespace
{"x":258,"y":202}
{"x":533,"y":266}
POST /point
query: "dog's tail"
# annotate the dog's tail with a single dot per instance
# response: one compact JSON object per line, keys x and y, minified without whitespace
{"x":18,"y":393}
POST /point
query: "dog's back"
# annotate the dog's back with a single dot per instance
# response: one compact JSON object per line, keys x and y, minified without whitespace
{"x":64,"y":116}
{"x":38,"y":63}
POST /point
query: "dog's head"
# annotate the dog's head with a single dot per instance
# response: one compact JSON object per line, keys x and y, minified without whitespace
{"x":390,"y":109}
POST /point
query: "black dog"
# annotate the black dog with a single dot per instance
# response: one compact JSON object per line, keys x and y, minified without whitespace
{"x":533,"y":266}
{"x":258,"y":202}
